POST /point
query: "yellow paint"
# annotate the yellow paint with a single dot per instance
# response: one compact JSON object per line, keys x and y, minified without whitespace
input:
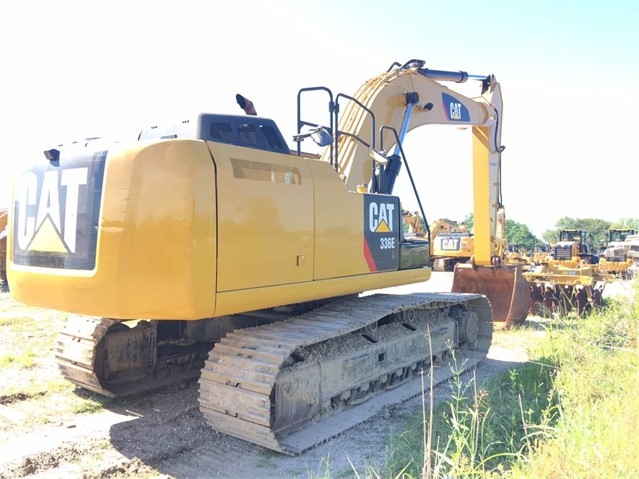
{"x":265,"y":222}
{"x":47,"y":239}
{"x":156,"y":241}
{"x":339,"y":226}
{"x":485,"y":209}
{"x":385,"y":96}
{"x":190,"y":229}
{"x":237,"y":301}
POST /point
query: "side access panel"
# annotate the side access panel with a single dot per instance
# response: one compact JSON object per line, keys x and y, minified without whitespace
{"x":265,"y":218}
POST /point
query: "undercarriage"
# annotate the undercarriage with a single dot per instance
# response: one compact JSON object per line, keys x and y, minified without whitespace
{"x":287,"y":382}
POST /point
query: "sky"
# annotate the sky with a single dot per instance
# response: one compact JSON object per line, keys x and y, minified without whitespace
{"x":569,"y":72}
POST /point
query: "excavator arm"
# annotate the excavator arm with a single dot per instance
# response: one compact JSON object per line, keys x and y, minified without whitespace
{"x":366,"y":150}
{"x":408,"y":96}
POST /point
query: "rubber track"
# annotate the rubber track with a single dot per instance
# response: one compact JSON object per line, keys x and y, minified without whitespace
{"x":242,"y":369}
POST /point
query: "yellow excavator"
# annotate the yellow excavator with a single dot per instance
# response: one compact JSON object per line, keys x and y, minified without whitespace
{"x":209,"y":249}
{"x":450,"y":242}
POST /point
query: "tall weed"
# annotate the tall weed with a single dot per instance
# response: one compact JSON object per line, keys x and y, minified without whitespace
{"x":482,"y":427}
{"x":571,"y":412}
{"x":597,"y":434}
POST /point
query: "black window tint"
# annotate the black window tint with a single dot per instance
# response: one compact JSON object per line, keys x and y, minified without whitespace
{"x":271,"y":137}
{"x":247,"y":134}
{"x":221,"y":131}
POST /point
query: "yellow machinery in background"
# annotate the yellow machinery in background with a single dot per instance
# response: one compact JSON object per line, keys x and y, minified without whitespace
{"x":414,"y":223}
{"x":514,"y":254}
{"x":568,"y":280}
{"x":209,"y":249}
{"x":560,"y":288}
{"x":620,"y":252}
{"x":450,"y":242}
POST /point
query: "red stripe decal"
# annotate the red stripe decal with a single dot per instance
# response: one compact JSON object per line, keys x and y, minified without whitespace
{"x":369,"y":258}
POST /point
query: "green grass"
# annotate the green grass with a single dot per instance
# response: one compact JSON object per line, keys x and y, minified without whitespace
{"x":27,"y":340}
{"x":480,"y":429}
{"x":24,"y":359}
{"x":572,"y":411}
{"x":28,"y":365}
{"x":597,"y":434}
{"x":88,"y":406}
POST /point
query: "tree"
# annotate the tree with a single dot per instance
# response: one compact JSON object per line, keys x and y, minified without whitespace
{"x":630,"y":223}
{"x":469,"y":221}
{"x":550,"y":236}
{"x":516,"y":234}
{"x":519,"y":234}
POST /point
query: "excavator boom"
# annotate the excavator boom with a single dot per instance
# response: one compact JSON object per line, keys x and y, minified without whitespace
{"x":419,"y":96}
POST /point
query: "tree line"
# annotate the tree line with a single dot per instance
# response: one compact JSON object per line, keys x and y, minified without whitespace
{"x":520,"y":237}
{"x":596,"y":231}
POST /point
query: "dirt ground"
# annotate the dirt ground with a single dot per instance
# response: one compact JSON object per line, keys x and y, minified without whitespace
{"x":163,"y":435}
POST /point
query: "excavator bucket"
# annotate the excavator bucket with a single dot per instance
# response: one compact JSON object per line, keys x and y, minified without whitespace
{"x":504,"y":286}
